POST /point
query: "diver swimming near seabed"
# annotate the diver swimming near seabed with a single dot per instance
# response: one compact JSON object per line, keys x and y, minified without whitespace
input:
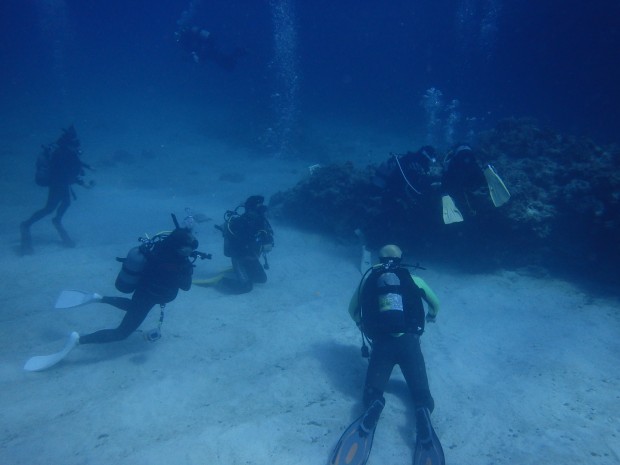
{"x":153,"y":273}
{"x":388,"y":308}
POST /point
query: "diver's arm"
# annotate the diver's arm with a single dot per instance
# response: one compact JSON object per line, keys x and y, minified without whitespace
{"x":428,"y":295}
{"x":354,"y":307}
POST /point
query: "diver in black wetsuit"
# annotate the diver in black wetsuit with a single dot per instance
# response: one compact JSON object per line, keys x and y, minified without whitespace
{"x":407,"y":175}
{"x":462,"y":177}
{"x":202,"y":46}
{"x":63,"y":168}
{"x":167,"y":269}
{"x":388,"y":307}
{"x":246,"y":238}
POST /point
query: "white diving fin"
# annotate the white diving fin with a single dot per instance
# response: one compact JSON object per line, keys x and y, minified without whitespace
{"x":497,"y":189}
{"x":366,"y":261}
{"x":43,"y":362}
{"x":451,"y":214}
{"x":73,"y":298}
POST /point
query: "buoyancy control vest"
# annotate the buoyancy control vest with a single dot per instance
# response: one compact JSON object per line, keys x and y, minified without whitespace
{"x":391,"y":303}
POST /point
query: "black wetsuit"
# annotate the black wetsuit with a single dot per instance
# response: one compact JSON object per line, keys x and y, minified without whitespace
{"x":65,"y":170}
{"x":404,"y":351}
{"x":406,"y":175}
{"x":462,"y":177}
{"x":245,"y":238}
{"x":166,"y":272}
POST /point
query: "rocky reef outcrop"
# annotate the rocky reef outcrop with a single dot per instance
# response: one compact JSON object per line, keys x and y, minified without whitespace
{"x":564,"y":211}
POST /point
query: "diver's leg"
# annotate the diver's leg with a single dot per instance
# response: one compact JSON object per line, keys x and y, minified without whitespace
{"x":255,"y":271}
{"x":64,"y":203}
{"x":411,"y":362}
{"x":379,"y":370}
{"x":53,"y":199}
{"x":241,"y":283}
{"x":122,"y":303}
{"x":136,"y":311}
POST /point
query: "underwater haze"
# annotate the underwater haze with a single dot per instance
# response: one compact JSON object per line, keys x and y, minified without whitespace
{"x":372,"y":62}
{"x":190,"y":107}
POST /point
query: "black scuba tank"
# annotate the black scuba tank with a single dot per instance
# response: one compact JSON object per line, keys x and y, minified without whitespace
{"x":131,"y":271}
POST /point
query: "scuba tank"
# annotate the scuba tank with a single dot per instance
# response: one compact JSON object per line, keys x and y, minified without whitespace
{"x":131,"y":271}
{"x":389,"y":297}
{"x":135,"y":263}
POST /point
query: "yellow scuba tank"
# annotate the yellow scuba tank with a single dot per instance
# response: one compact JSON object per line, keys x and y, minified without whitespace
{"x":131,"y":271}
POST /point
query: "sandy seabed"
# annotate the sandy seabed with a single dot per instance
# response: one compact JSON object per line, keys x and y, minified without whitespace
{"x":523,"y":370}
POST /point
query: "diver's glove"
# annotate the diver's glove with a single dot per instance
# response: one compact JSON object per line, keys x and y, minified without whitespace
{"x":195,"y":255}
{"x":431,"y":318}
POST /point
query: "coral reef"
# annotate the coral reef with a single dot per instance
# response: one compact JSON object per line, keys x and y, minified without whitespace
{"x":564,"y":210}
{"x":566,"y":190}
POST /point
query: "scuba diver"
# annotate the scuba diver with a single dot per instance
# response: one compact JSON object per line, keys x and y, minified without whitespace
{"x":462,"y":177}
{"x":154,"y":272}
{"x":202,"y":46}
{"x":404,"y":186}
{"x":408,"y":174}
{"x":58,"y":167}
{"x":413,"y":181}
{"x":388,"y":308}
{"x":247,"y":237}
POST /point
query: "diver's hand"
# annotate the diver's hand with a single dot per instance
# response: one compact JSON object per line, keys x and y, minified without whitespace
{"x":431,"y":318}
{"x":203,"y":256}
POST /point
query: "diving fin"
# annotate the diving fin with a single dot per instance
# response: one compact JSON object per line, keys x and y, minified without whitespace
{"x":73,"y":298}
{"x":451,"y":214}
{"x":497,"y":189}
{"x":355,"y":444}
{"x":213,"y":280}
{"x":428,"y":450}
{"x":43,"y":362}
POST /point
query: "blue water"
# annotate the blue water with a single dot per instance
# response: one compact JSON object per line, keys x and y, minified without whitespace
{"x":363,"y":61}
{"x":516,"y":363}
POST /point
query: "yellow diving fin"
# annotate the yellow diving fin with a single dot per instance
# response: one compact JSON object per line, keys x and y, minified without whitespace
{"x":497,"y":189}
{"x":213,"y":280}
{"x":451,"y":214}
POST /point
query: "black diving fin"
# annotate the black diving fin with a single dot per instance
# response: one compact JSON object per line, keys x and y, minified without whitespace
{"x":355,"y":444}
{"x":428,"y":450}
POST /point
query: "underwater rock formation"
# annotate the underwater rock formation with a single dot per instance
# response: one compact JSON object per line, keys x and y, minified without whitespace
{"x":564,"y":209}
{"x":565,"y":190}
